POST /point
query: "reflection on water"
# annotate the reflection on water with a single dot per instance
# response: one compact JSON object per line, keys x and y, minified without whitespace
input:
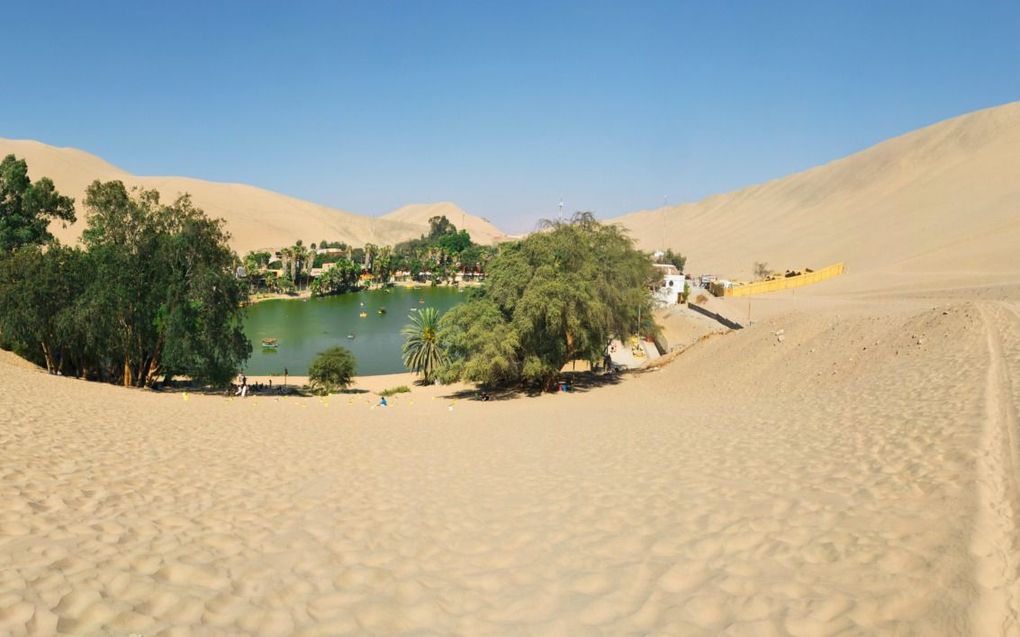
{"x":367,"y":323}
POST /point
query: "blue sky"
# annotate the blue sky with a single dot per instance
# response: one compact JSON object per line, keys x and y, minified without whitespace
{"x":503,"y":107}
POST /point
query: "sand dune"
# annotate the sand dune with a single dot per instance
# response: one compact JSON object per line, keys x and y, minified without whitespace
{"x":854,"y":478}
{"x":481,"y":230}
{"x":941,"y":199}
{"x":256,"y":218}
{"x":846,"y":465}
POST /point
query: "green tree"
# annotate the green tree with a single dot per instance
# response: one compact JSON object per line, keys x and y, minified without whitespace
{"x":165,"y":277}
{"x":341,"y":277}
{"x":481,"y":345}
{"x":455,"y":242}
{"x":438,"y":226}
{"x":27,"y":208}
{"x":554,"y":297}
{"x":675,"y":258}
{"x":37,"y":290}
{"x":332,"y":370}
{"x":423,"y":349}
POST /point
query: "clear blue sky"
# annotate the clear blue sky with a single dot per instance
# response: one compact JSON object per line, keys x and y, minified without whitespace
{"x":503,"y":107}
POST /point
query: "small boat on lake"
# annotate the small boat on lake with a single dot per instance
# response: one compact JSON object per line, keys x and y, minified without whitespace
{"x":382,"y":311}
{"x":363,"y":314}
{"x":350,"y":336}
{"x":269,"y":343}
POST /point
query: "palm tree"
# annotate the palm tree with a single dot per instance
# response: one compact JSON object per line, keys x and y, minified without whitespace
{"x":287,"y":259}
{"x":423,"y":352}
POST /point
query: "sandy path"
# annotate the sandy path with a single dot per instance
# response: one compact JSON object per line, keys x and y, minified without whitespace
{"x":842,"y":480}
{"x":996,"y":538}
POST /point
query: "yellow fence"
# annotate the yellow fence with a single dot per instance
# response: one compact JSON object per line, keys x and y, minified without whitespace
{"x":781,"y":283}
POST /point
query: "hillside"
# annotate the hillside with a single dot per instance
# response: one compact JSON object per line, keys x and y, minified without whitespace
{"x":945,"y":198}
{"x":256,"y":218}
{"x":480,"y":229}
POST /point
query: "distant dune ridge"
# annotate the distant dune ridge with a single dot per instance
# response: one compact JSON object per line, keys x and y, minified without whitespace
{"x":945,"y":198}
{"x":256,"y":218}
{"x":481,"y":230}
{"x":942,"y":198}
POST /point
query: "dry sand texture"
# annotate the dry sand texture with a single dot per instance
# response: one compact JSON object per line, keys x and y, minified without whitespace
{"x":943,"y":199}
{"x":855,"y":477}
{"x":256,"y":218}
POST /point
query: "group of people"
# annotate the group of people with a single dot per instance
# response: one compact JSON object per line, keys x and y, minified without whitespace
{"x":244,"y":388}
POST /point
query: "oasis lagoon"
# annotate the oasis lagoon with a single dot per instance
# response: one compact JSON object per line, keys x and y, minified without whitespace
{"x":303,"y":328}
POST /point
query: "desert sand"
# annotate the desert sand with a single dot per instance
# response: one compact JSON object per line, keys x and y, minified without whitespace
{"x":256,"y":218}
{"x":856,"y":477}
{"x":847,"y":464}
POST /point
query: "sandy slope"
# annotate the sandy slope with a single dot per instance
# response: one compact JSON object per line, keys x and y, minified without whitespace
{"x":941,"y":199}
{"x":481,"y":230}
{"x":844,"y":480}
{"x":256,"y":218}
{"x":847,"y":464}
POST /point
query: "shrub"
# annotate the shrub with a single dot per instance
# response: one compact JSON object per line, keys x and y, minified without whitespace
{"x":331,"y":370}
{"x":403,"y":389}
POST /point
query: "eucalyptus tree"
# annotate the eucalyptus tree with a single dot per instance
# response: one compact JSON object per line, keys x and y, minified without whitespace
{"x":27,"y":208}
{"x":165,"y":277}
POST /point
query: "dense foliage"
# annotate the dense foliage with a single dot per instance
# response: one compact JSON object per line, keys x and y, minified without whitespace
{"x":437,"y":257}
{"x":27,"y":208}
{"x":340,"y":276}
{"x":675,"y":258}
{"x":422,"y":351}
{"x":556,"y":296}
{"x":154,"y":293}
{"x":332,"y":370}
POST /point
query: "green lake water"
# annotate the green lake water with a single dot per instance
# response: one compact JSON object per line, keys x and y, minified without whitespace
{"x":303,"y":328}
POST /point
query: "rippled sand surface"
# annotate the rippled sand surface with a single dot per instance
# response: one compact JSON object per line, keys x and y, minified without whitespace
{"x":835,"y":470}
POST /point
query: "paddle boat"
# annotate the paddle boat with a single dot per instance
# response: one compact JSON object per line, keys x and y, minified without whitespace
{"x":269,"y":343}
{"x":363,"y":314}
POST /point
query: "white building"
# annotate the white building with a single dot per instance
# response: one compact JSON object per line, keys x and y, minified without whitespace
{"x":672,"y":286}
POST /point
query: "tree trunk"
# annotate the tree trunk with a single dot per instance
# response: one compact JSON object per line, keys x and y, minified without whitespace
{"x":49,"y":358}
{"x":127,"y":372}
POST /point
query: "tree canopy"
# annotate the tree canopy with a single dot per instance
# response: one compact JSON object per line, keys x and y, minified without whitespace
{"x":558,"y":295}
{"x":332,"y":370}
{"x":675,"y":258}
{"x":27,"y":208}
{"x":154,"y":292}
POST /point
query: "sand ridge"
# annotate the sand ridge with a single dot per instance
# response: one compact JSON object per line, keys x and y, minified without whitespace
{"x":256,"y":218}
{"x":942,"y":199}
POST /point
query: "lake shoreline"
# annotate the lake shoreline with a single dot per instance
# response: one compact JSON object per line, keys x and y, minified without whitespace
{"x":304,"y":295}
